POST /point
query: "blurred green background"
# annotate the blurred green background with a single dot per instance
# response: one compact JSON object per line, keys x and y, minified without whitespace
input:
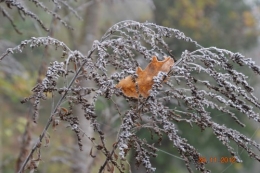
{"x":231,"y":25}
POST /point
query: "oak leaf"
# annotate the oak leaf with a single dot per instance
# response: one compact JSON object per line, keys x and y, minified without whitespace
{"x":144,"y":81}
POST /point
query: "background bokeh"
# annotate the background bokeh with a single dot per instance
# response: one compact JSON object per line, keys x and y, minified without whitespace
{"x":232,"y":25}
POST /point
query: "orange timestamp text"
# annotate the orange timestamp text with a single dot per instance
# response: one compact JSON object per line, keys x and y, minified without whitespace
{"x":217,"y":160}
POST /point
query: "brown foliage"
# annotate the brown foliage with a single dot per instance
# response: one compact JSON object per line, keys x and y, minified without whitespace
{"x":144,"y":82}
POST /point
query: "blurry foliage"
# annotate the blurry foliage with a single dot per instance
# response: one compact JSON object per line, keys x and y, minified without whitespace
{"x":208,"y":22}
{"x":20,"y":85}
{"x":228,"y":24}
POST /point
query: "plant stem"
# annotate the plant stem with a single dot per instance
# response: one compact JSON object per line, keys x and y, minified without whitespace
{"x":52,"y":115}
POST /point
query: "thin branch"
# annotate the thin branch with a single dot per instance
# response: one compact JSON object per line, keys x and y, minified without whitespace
{"x":5,"y":13}
{"x":52,"y":114}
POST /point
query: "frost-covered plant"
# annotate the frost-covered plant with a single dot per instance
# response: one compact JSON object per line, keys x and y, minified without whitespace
{"x":23,"y":11}
{"x":112,"y":58}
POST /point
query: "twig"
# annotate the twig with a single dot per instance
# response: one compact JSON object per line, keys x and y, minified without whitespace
{"x":107,"y":159}
{"x":41,"y":71}
{"x":52,"y":114}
